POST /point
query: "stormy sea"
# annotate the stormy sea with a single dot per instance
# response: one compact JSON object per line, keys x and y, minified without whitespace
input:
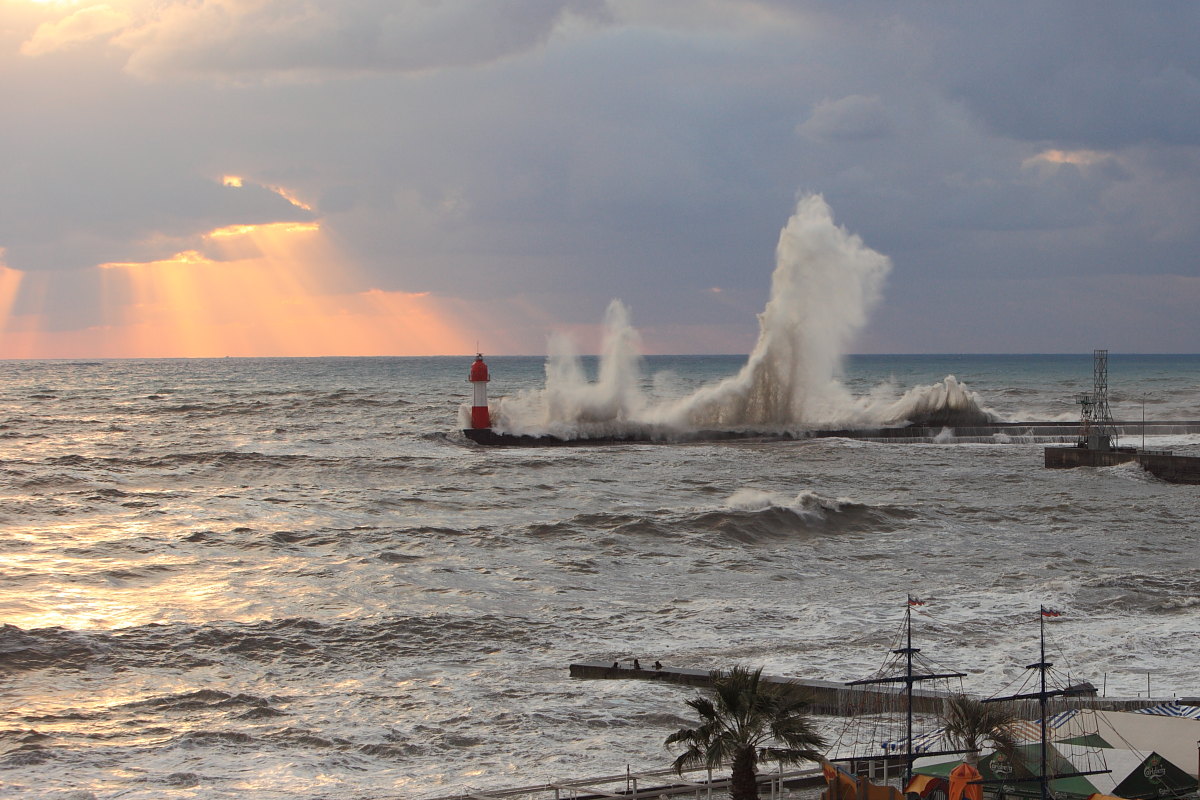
{"x":296,"y":578}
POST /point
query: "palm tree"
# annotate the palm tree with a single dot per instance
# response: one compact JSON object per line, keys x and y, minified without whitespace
{"x":747,"y":721}
{"x":971,"y":723}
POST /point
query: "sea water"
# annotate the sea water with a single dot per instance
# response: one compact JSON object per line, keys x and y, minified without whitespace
{"x":296,"y":578}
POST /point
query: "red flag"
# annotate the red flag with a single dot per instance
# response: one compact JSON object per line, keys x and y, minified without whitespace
{"x":1050,"y":612}
{"x":915,"y":601}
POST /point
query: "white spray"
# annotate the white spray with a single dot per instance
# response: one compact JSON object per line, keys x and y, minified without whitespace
{"x":826,"y":281}
{"x":570,"y":405}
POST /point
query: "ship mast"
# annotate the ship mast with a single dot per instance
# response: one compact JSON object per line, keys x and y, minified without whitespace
{"x":909,"y":678}
{"x":1042,"y":696}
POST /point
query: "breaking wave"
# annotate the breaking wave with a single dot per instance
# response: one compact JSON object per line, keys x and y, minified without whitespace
{"x":825,"y":284}
{"x":753,"y":515}
{"x":748,"y":516}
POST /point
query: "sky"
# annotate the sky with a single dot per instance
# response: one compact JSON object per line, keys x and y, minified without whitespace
{"x":421,"y":177}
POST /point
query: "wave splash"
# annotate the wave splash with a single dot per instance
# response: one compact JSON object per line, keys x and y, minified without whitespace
{"x":825,"y":284}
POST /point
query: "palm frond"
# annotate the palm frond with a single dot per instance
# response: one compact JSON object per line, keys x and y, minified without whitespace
{"x":971,"y":723}
{"x":747,"y":720}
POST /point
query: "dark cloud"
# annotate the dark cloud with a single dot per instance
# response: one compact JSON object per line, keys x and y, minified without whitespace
{"x":1082,"y":74}
{"x":87,"y":221}
{"x":281,"y":38}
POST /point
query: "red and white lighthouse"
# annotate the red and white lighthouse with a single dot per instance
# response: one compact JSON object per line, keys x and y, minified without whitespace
{"x":480,"y":418}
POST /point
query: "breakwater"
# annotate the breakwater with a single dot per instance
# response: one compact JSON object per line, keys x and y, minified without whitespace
{"x":1047,"y":432}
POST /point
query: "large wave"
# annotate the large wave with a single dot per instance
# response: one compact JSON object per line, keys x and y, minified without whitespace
{"x":825,"y":284}
{"x":748,"y":516}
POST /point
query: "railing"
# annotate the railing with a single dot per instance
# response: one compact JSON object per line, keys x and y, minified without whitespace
{"x":645,"y":785}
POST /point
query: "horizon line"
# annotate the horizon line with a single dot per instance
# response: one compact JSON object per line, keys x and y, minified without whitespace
{"x":581,"y":355}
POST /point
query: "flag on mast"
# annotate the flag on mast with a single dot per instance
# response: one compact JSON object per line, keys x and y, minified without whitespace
{"x":1050,"y":612}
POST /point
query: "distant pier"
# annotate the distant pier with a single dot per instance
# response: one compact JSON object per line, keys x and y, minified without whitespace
{"x":1096,"y":445}
{"x":992,"y":432}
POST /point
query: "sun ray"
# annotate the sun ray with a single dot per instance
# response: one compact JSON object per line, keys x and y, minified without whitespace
{"x":275,"y":289}
{"x":246,"y":290}
{"x":10,"y":284}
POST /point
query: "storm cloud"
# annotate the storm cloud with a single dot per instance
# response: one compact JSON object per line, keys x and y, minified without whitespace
{"x":1032,"y":169}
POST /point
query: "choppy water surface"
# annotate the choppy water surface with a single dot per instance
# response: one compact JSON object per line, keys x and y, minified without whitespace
{"x":295,"y":579}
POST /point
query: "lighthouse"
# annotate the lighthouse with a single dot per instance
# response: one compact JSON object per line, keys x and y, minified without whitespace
{"x":480,"y":418}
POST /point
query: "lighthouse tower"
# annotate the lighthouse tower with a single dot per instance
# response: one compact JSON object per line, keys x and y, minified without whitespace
{"x":480,"y":418}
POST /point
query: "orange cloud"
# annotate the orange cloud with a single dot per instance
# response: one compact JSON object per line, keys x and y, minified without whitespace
{"x":83,"y":25}
{"x":282,"y":293}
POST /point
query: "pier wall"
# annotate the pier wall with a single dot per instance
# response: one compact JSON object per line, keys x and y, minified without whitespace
{"x":1174,"y":469}
{"x":1168,"y":467}
{"x":994,"y":433}
{"x":831,"y":698}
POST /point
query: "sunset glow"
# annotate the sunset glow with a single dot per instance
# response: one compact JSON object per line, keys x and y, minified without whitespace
{"x":273,"y":289}
{"x":288,"y":195}
{"x":273,"y":228}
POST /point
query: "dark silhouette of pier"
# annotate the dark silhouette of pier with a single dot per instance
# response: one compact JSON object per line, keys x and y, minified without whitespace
{"x":1047,"y":432}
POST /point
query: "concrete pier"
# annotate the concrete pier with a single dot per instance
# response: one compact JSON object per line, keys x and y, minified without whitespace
{"x":994,"y":432}
{"x":1164,"y":465}
{"x":831,"y":698}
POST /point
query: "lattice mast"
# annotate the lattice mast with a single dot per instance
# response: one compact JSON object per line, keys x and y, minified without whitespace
{"x":1103,"y":426}
{"x":1096,"y":429}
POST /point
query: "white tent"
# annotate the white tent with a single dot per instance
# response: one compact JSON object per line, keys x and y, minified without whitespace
{"x":1173,"y":738}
